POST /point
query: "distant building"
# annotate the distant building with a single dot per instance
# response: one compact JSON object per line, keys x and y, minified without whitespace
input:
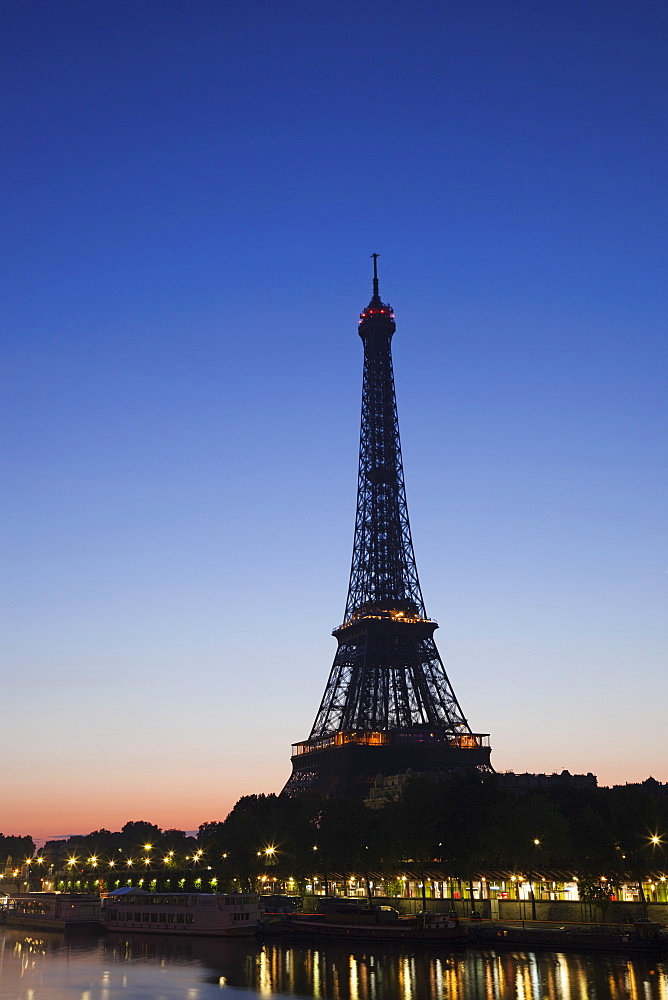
{"x":55,"y":851}
{"x":387,"y":787}
{"x":526,"y":781}
{"x":649,"y":784}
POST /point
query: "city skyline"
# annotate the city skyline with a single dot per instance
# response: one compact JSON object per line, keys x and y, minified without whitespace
{"x":192,"y":206}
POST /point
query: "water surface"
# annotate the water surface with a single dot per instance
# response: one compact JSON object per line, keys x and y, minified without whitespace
{"x":89,"y":965}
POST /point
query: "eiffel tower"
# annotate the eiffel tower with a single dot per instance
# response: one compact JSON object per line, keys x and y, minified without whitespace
{"x":388,"y":706}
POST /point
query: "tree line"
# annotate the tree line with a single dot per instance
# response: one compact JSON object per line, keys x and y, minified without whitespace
{"x":464,"y":826}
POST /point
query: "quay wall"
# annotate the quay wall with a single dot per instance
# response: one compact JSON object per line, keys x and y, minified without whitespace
{"x":514,"y":909}
{"x":569,"y":911}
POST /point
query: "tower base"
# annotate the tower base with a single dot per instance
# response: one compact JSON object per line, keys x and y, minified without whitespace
{"x":349,"y":763}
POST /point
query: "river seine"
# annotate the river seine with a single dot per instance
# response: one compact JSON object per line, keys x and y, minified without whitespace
{"x":47,"y":965}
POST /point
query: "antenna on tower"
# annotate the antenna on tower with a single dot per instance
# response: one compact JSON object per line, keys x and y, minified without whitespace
{"x":376,"y":293}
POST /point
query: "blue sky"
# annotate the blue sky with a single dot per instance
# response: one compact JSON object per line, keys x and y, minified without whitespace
{"x":193,"y":190}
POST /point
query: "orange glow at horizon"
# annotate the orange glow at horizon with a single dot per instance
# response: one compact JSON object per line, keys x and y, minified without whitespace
{"x":81,"y":806}
{"x":183,"y":798}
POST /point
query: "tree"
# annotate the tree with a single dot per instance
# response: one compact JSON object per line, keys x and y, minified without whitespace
{"x":18,"y":848}
{"x":139,"y":832}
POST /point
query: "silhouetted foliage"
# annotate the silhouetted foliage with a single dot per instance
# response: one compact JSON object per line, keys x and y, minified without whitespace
{"x":129,"y":842}
{"x":16,"y":848}
{"x":465,"y":824}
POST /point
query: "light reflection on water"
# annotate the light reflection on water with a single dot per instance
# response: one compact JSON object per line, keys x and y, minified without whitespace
{"x":40,"y":965}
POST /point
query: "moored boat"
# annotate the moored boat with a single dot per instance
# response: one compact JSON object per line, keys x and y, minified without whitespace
{"x":52,"y":910}
{"x":383,"y":923}
{"x":185,"y":913}
{"x":375,"y":926}
{"x":640,"y":936}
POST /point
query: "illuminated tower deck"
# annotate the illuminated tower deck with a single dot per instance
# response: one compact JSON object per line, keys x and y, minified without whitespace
{"x":388,"y":705}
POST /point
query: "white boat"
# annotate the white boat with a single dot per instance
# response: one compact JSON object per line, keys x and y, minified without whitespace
{"x":52,"y":909}
{"x":221,"y":914}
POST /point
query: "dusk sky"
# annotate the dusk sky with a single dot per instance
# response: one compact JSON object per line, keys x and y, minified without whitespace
{"x":192,"y":191}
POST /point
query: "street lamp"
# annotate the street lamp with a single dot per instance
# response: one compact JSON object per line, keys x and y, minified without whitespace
{"x":656,"y":840}
{"x":536,"y":843}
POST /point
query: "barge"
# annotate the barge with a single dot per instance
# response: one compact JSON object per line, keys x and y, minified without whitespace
{"x":376,"y":925}
{"x":183,"y":913}
{"x":52,"y":910}
{"x":640,"y":936}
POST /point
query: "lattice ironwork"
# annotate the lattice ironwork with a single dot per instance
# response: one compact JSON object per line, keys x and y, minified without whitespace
{"x":387,"y":679}
{"x":383,"y":572}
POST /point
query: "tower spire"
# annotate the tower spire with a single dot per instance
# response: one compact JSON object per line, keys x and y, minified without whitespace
{"x":376,"y":294}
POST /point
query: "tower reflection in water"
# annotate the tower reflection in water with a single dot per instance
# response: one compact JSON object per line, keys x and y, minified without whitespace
{"x":360,"y":974}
